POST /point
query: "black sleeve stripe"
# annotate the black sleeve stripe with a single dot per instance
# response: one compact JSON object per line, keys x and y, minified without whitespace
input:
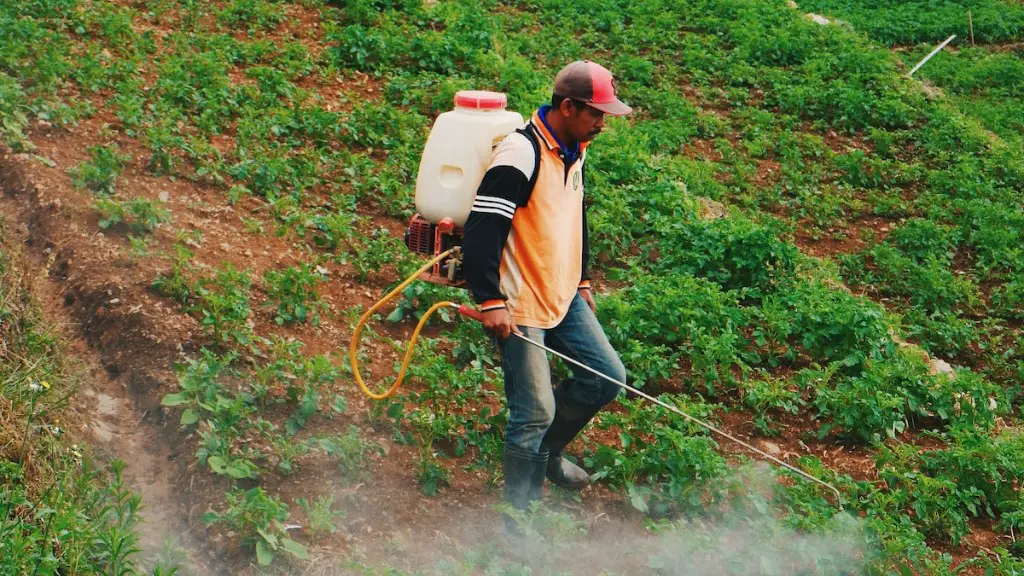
{"x":515,"y":151}
{"x":504,"y":183}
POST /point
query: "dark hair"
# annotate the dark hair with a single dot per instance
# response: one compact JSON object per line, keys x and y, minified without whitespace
{"x":556,"y":101}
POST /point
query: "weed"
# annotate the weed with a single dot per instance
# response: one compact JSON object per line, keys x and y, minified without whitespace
{"x":287,"y":451}
{"x":321,"y":514}
{"x":351,"y":451}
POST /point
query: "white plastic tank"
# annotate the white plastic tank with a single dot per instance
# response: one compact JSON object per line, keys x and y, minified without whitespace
{"x":457,"y":153}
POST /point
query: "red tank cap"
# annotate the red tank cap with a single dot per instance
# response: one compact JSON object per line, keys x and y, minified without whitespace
{"x":480,"y":100}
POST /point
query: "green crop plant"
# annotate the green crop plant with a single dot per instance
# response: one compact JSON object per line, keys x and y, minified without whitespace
{"x":929,"y":286}
{"x":336,"y":231}
{"x":224,"y":438}
{"x":139,"y":246}
{"x":225,"y":418}
{"x":430,"y":474}
{"x":665,"y":465}
{"x":254,"y":13}
{"x":908,"y":23}
{"x":293,"y":292}
{"x":198,"y":380}
{"x":176,"y":283}
{"x":221,"y":302}
{"x":769,"y":394}
{"x":687,"y":317}
{"x":894,"y":393}
{"x":99,"y":173}
{"x":275,"y":376}
{"x":140,"y":215}
{"x":303,"y":388}
{"x":829,"y":324}
{"x":258,"y":519}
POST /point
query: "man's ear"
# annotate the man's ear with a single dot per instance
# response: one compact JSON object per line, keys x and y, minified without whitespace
{"x":565,"y":106}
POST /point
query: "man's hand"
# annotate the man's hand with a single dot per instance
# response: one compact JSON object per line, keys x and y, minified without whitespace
{"x":585,"y":293}
{"x":499,"y":323}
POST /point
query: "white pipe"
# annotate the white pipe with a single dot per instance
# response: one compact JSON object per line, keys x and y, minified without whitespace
{"x":929,"y":57}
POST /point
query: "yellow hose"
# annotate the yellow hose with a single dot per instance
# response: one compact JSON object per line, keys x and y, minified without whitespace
{"x":354,"y":346}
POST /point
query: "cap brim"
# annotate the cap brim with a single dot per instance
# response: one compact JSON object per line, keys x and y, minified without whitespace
{"x":615,"y":107}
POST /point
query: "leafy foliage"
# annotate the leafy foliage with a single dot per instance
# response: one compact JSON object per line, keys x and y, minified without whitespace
{"x":258,"y":519}
{"x":295,"y":292}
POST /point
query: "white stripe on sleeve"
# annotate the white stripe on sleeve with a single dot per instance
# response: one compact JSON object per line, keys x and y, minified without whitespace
{"x":496,"y":201}
{"x":498,"y":211}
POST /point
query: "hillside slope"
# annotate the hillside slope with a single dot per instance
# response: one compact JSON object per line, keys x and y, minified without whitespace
{"x":794,"y":241}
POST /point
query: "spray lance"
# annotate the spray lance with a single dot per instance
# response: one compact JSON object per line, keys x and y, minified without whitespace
{"x":473,"y":314}
{"x":449,"y":173}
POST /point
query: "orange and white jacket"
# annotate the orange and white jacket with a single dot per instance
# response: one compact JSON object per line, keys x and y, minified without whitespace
{"x":527,"y":249}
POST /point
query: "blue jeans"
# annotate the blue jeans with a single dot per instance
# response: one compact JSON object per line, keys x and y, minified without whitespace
{"x":531,"y":399}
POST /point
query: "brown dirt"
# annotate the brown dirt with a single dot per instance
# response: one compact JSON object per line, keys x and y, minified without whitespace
{"x":116,"y":401}
{"x":852,"y":241}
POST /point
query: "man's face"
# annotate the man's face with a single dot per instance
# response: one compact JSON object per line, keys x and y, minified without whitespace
{"x":583,"y":122}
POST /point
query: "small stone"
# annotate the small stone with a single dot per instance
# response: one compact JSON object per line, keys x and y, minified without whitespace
{"x":771,"y":448}
{"x":710,"y":209}
{"x":819,"y":19}
{"x":164,"y":196}
{"x":942,"y":367}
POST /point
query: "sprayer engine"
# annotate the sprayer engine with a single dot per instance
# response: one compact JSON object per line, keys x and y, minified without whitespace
{"x":429,"y":239}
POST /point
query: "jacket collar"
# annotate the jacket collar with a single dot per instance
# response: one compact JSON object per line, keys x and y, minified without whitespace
{"x":545,"y":133}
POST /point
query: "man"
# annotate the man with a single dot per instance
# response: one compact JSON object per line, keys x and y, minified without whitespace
{"x":525,"y":255}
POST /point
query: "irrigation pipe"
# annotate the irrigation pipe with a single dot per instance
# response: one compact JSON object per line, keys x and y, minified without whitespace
{"x":476,"y":315}
{"x":929,"y":56}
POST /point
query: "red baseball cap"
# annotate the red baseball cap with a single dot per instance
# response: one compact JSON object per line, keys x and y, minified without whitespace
{"x":591,"y":83}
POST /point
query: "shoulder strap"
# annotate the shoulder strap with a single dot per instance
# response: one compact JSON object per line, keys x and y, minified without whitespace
{"x":530,"y":133}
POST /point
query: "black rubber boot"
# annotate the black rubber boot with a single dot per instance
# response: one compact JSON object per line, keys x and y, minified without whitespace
{"x":524,"y":479}
{"x":570,"y":419}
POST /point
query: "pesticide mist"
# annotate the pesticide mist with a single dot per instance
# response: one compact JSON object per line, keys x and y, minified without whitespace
{"x":745,"y":534}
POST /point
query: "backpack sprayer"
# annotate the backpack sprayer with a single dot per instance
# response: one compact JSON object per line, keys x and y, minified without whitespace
{"x":454,"y":160}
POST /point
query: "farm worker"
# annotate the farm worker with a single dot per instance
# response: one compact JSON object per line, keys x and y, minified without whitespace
{"x":525,"y":259}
